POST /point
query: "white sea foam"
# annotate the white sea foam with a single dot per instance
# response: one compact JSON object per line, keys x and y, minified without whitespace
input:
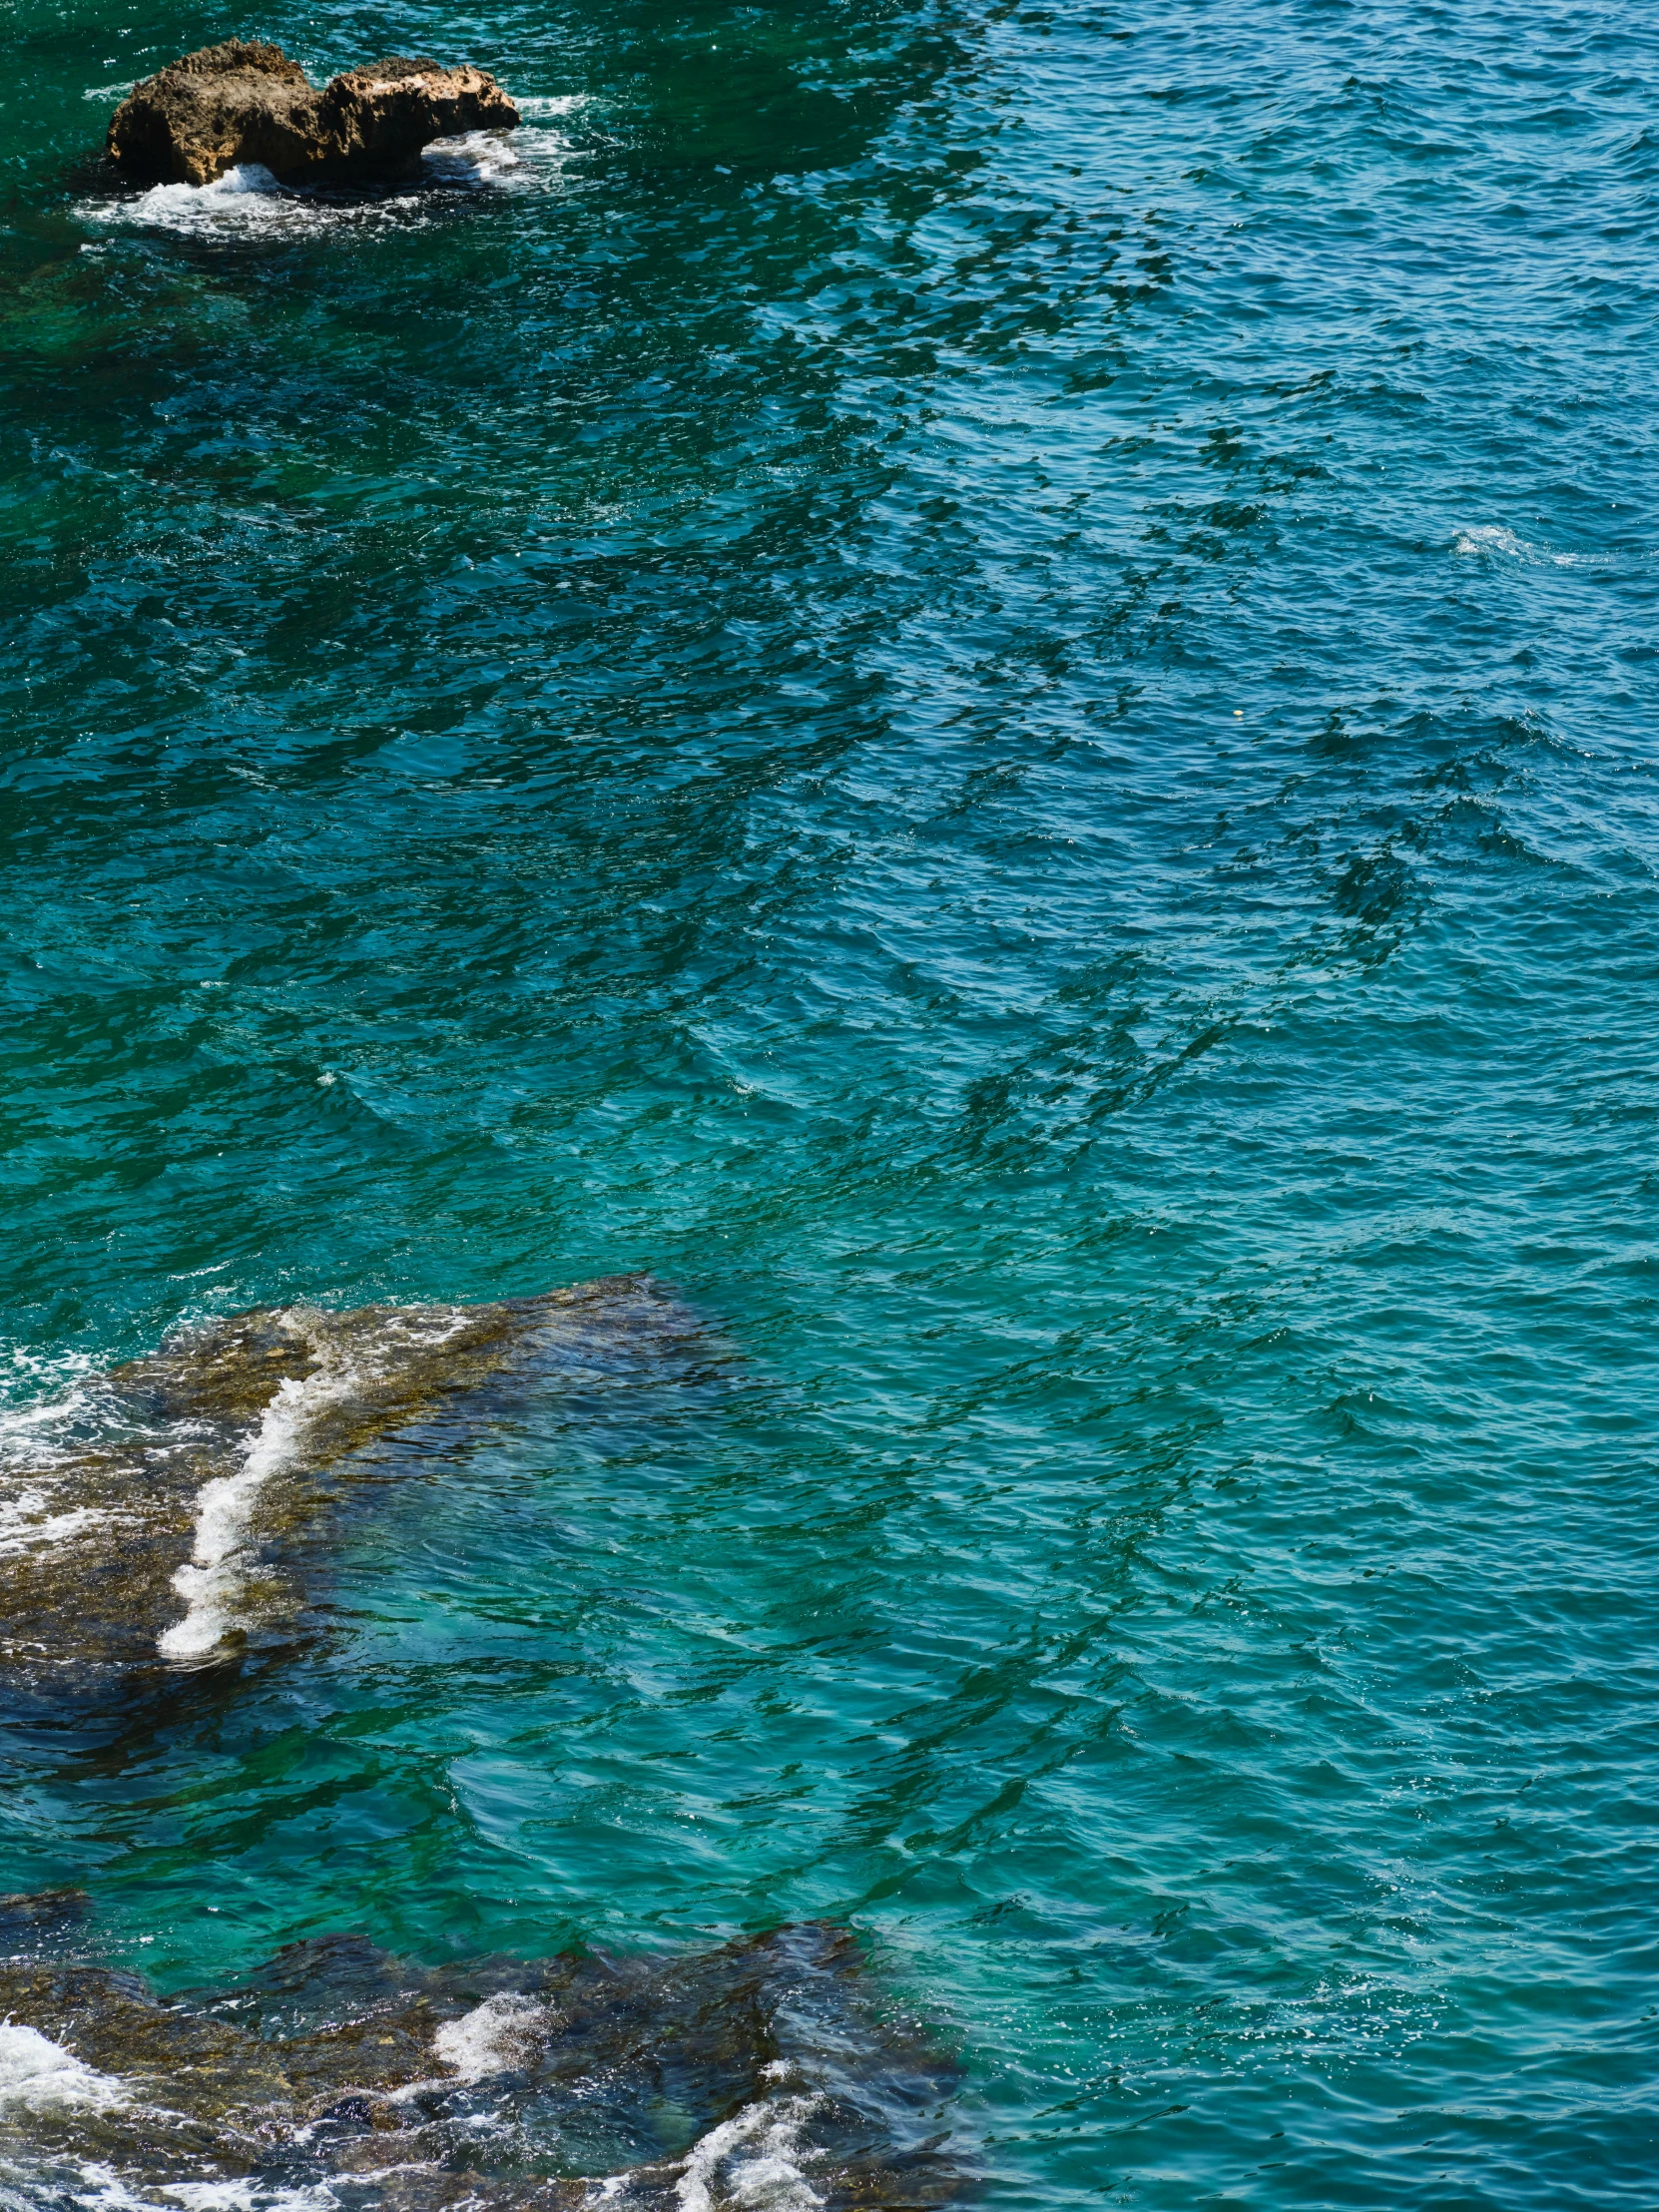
{"x":247,"y":199}
{"x":211,"y":1582}
{"x":95,"y":2187}
{"x":246,"y":202}
{"x":102,"y":2190}
{"x":524,"y":160}
{"x":55,"y":1387}
{"x":752,"y":2159}
{"x":29,"y":1449}
{"x":494,"y":2036}
{"x":1491,"y":538}
{"x":246,"y":2196}
{"x":477,"y":158}
{"x":40,"y":2075}
{"x":249,"y":203}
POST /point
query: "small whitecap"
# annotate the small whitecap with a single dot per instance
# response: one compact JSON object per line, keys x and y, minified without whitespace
{"x":499,"y":160}
{"x":477,"y":158}
{"x":1493,"y":539}
{"x":40,"y":2075}
{"x":752,"y":2160}
{"x":246,"y":202}
{"x":492,"y":2038}
{"x":210,"y":1582}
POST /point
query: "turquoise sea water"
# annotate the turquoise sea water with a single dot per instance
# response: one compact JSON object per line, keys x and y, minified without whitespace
{"x":978,"y":681}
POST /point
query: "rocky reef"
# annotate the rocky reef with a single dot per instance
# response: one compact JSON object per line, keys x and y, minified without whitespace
{"x":247,"y":103}
{"x":768,"y":2072}
{"x":171,"y":1519}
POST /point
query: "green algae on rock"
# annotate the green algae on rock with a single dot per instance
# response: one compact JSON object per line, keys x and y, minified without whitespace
{"x":175,"y":1529}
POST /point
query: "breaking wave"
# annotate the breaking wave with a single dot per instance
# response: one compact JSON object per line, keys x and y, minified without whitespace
{"x":211,"y":1580}
{"x":499,"y":2033}
{"x":38,"y":2075}
{"x":250,"y":203}
{"x":753,"y":2158}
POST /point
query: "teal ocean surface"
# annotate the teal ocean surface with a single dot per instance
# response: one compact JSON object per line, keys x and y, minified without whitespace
{"x":977,"y":683}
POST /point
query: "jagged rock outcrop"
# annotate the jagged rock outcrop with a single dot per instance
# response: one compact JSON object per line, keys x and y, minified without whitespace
{"x":243,"y":102}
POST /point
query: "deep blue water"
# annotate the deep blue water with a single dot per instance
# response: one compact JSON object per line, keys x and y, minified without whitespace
{"x":978,"y":681}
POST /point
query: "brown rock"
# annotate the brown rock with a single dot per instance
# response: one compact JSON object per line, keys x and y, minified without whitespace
{"x":346,"y":2069}
{"x":103,"y":1595}
{"x":244,"y":102}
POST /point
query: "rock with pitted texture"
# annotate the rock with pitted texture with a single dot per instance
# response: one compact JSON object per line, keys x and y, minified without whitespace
{"x":246,"y":103}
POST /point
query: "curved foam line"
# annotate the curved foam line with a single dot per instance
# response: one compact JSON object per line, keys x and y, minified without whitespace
{"x":757,"y":2147}
{"x":211,"y":1580}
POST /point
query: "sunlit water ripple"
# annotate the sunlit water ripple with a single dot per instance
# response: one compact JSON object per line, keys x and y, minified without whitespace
{"x":978,"y":683}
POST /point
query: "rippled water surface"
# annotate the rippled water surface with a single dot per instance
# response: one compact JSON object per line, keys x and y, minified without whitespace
{"x":977,"y":681}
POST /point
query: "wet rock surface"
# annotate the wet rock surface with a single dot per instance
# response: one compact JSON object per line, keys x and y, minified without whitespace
{"x":175,"y":1518}
{"x":767,"y":2072}
{"x":244,"y":102}
{"x":27,"y":1916}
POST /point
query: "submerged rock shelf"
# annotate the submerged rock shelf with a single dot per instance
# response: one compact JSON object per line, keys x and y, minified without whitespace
{"x":764,"y":2071}
{"x":168,"y":1528}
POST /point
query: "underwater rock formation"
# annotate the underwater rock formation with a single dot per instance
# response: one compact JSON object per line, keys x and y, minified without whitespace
{"x":40,"y":1911}
{"x":243,"y":102}
{"x":168,"y":1527}
{"x":761,"y":2073}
